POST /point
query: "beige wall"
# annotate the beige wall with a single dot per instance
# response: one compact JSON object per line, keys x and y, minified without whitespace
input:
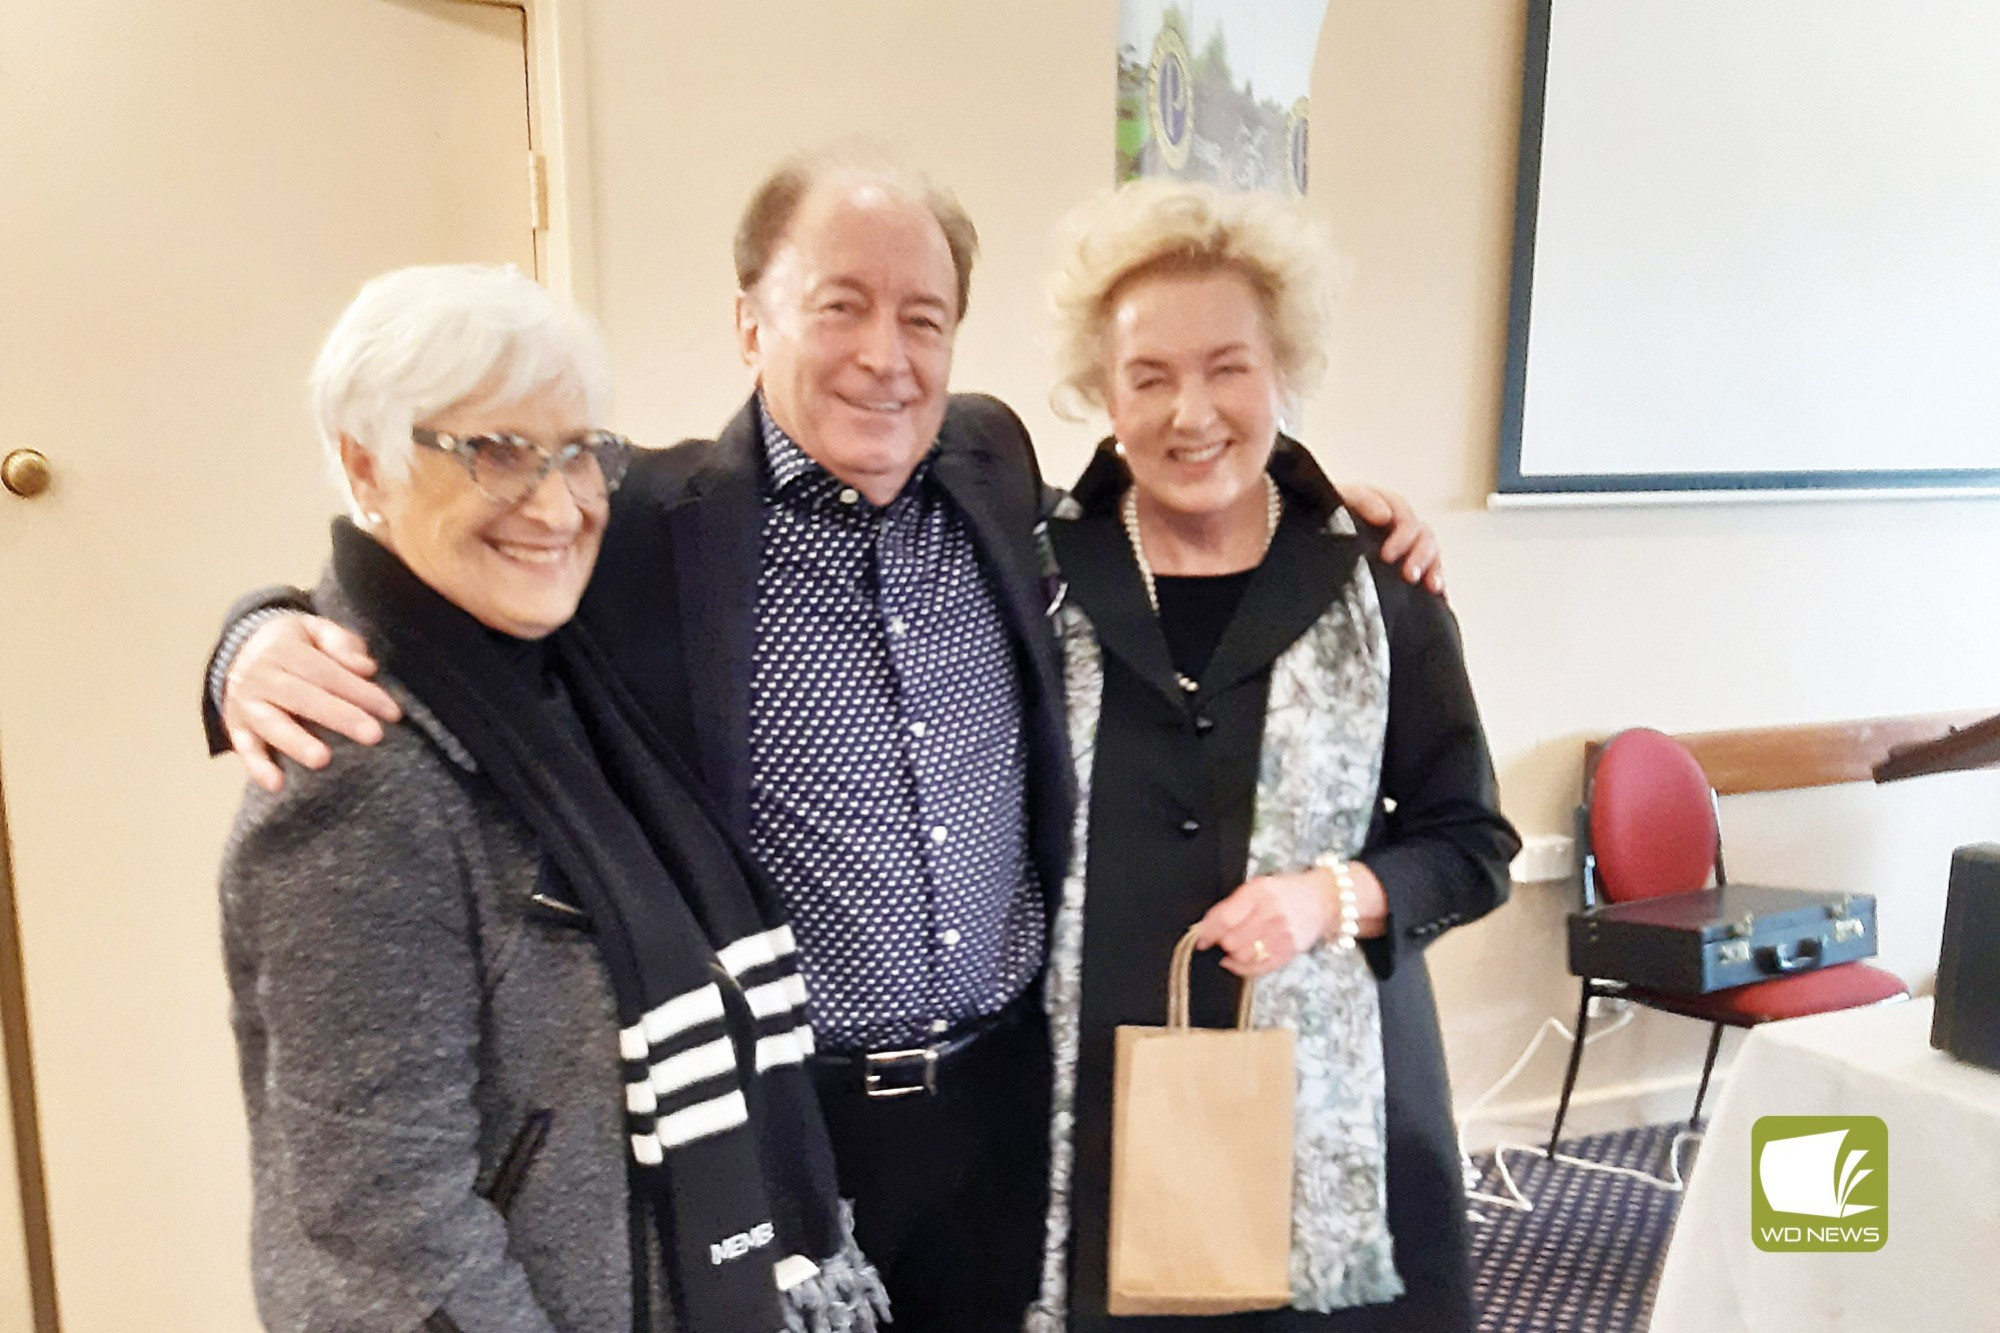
{"x":1583,"y":622}
{"x":690,"y":105}
{"x":194,"y":190}
{"x":16,"y":1309}
{"x":1575,"y":622}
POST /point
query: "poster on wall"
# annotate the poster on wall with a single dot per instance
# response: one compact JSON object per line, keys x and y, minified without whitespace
{"x":1215,"y":90}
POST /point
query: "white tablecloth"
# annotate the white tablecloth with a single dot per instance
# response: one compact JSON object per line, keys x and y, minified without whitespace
{"x":1939,"y":1271}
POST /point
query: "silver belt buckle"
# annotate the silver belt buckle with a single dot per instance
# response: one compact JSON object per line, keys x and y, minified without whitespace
{"x":874,"y":1063}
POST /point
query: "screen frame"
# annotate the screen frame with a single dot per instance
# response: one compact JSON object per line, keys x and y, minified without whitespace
{"x":1511,"y":481}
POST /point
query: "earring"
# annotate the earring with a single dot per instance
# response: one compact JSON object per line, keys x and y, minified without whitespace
{"x":1118,"y":447}
{"x":374,"y":519}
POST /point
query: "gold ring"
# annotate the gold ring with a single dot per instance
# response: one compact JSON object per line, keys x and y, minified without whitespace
{"x":1259,"y":952}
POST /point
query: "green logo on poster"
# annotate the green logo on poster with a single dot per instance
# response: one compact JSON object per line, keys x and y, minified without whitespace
{"x":1170,"y":98}
{"x":1819,"y":1182}
{"x":1295,"y":145}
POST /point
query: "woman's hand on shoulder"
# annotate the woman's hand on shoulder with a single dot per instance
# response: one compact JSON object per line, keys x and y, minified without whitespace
{"x":1410,"y":542}
{"x":1272,"y":919}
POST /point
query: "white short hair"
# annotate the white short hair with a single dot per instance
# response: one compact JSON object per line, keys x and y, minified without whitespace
{"x":420,"y":341}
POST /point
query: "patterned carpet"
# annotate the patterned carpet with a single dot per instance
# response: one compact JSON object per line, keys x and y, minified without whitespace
{"x":1587,"y":1259}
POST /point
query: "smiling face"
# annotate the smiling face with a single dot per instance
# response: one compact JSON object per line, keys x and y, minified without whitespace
{"x":1193,"y":392}
{"x":850,"y":331}
{"x":519,"y":569}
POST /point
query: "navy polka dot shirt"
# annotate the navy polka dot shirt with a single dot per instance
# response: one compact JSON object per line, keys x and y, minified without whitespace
{"x":888,"y":763}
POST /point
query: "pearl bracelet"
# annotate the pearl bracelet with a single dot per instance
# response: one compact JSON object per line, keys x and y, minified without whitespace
{"x":1341,"y":933}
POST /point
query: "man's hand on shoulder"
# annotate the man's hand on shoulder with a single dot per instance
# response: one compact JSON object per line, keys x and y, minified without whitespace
{"x":294,"y":670}
{"x":1410,"y":542}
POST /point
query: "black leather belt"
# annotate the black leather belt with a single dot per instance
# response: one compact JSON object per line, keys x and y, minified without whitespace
{"x":903,"y":1073}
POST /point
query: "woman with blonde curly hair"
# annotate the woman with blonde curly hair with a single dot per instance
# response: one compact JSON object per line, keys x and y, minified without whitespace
{"x":1274,"y":738}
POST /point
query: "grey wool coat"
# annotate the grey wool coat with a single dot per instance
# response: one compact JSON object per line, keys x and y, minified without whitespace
{"x":401,"y":1012}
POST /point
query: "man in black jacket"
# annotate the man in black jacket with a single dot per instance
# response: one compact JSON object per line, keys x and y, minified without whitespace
{"x":834,"y":611}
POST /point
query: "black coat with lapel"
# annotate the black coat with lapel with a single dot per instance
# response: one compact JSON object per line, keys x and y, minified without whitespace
{"x":1173,"y":795}
{"x":674,"y":598}
{"x":673,"y":602}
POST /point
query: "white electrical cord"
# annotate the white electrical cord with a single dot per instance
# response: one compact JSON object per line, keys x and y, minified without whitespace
{"x":1675,"y":1183}
{"x":1515,"y":1199}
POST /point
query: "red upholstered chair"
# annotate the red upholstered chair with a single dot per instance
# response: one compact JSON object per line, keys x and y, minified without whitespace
{"x":1649,"y":826}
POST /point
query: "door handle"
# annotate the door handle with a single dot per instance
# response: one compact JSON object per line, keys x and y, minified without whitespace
{"x":26,"y":473}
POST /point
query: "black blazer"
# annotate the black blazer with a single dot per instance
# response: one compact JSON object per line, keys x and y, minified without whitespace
{"x":1440,"y":845}
{"x":673,"y":601}
{"x":1172,"y":806}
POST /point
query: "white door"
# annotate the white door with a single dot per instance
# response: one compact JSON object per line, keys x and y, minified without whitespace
{"x":190,"y":190}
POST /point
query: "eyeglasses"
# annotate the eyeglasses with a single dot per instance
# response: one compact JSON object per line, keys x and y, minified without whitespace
{"x":508,"y":469}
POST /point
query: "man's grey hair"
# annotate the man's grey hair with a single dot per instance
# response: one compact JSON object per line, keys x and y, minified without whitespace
{"x":420,"y":341}
{"x":778,"y":196}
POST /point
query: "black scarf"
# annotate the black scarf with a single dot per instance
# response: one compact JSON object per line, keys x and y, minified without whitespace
{"x":727,"y":1147}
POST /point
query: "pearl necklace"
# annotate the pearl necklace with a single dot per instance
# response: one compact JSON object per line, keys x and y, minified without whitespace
{"x":1274,"y":509}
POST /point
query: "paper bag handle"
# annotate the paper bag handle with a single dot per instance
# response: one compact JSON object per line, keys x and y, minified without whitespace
{"x":1177,"y":985}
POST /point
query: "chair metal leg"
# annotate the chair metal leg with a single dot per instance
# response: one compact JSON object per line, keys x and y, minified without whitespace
{"x":1575,"y":1060}
{"x":1707,"y":1068}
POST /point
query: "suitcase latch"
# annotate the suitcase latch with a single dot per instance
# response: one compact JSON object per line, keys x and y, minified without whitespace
{"x":1733,"y":951}
{"x":1849,"y":928}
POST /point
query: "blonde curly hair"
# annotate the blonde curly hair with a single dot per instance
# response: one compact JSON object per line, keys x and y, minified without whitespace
{"x":1151,"y":227}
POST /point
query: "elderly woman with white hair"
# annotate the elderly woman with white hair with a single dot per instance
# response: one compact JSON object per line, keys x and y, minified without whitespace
{"x":1274,"y":738}
{"x":520,"y":1032}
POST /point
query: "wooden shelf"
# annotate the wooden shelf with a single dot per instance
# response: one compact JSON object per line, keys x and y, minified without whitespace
{"x":1824,"y":754}
{"x":1972,"y":746}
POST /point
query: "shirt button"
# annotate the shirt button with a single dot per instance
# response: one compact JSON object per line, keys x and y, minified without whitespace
{"x":939,"y":833}
{"x":939,"y":1027}
{"x":918,"y":730}
{"x":950,"y":937}
{"x":1203,"y":724}
{"x":899,"y":627}
{"x":1190,"y":827}
{"x":848,"y":495}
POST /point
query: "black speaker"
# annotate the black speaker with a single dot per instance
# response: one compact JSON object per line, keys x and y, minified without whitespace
{"x":1967,"y":1021}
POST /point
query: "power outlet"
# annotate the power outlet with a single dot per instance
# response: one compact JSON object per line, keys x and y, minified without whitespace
{"x":1545,"y":858}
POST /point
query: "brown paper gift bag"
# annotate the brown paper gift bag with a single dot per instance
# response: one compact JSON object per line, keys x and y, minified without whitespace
{"x":1201,"y":1163}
